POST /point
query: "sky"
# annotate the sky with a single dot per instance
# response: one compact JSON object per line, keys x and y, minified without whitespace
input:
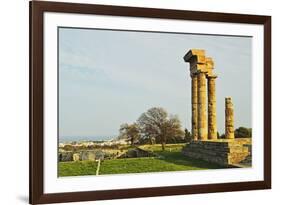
{"x":107,"y":78}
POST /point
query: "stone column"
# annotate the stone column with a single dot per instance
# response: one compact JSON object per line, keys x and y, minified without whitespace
{"x":212,"y":116}
{"x":202,"y":107}
{"x":229,"y":119}
{"x":194,"y":103}
{"x":197,"y":60}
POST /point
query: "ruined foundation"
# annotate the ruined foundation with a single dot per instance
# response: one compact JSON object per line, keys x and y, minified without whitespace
{"x":224,"y":152}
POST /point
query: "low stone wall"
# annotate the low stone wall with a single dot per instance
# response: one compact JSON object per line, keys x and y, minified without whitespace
{"x":225,"y":152}
{"x":66,"y":156}
{"x":78,"y":156}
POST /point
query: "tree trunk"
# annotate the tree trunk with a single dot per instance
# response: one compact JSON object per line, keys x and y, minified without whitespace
{"x":163,"y":146}
{"x":150,"y":140}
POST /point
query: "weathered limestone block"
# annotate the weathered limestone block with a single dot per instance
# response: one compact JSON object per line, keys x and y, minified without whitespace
{"x":212,"y":116}
{"x":91,"y":156}
{"x":202,"y":107}
{"x":196,"y":56}
{"x":248,"y":160}
{"x":197,"y":60}
{"x":88,"y":155}
{"x":65,"y":156}
{"x":76,"y":157}
{"x":209,"y":66}
{"x":194,"y":103}
{"x":229,"y":119}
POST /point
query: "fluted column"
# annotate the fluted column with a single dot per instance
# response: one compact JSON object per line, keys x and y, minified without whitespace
{"x":229,"y":119}
{"x":194,"y":103}
{"x":212,"y":116}
{"x":202,"y":107}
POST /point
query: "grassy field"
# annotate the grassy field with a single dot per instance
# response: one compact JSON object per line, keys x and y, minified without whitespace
{"x":169,"y":160}
{"x":77,"y":168}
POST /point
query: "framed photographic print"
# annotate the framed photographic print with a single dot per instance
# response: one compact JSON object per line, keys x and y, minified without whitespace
{"x":138,"y":102}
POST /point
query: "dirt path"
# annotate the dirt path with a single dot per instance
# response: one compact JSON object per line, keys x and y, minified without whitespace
{"x":98,"y":168}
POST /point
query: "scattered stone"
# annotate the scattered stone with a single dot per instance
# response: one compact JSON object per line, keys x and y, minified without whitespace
{"x":76,"y":157}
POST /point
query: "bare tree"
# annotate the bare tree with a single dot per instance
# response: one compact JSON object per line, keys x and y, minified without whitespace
{"x":129,"y":132}
{"x":155,"y":123}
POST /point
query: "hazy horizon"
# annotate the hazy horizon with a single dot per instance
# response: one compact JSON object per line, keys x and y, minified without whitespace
{"x":107,"y":77}
{"x":63,"y":139}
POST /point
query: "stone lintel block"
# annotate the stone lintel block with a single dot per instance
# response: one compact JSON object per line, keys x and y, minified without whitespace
{"x":195,"y":56}
{"x":210,"y":66}
{"x":197,"y":68}
{"x":210,"y":63}
{"x":211,"y":75}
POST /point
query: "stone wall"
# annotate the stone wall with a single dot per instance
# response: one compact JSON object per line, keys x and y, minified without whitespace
{"x":77,"y":156}
{"x":248,"y":160}
{"x":225,"y":152}
{"x":65,"y":156}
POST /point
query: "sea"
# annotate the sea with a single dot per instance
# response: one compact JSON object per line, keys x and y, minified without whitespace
{"x":65,"y":139}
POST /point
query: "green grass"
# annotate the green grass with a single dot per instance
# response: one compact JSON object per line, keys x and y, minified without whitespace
{"x":77,"y":168}
{"x":169,"y":160}
{"x":149,"y":164}
{"x":136,"y":165}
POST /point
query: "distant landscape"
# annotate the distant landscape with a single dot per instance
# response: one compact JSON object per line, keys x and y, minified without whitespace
{"x":65,"y":139}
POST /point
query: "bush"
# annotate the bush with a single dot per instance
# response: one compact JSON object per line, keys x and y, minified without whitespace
{"x":174,"y":140}
{"x":243,"y":132}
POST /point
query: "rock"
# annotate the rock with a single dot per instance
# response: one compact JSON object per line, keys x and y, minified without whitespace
{"x":76,"y":157}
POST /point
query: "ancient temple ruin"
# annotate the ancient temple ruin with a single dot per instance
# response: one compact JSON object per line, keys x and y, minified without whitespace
{"x":205,"y":143}
{"x":203,"y":82}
